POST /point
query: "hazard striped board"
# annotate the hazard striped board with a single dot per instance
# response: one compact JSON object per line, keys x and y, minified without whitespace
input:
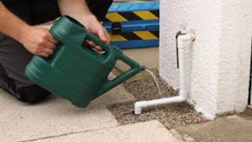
{"x":136,"y":35}
{"x":133,"y":25}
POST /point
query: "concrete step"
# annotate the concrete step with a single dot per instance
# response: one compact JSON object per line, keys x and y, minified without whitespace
{"x":152,"y":131}
{"x":20,"y":122}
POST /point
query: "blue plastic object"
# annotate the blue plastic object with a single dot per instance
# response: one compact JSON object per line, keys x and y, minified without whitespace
{"x":140,"y":25}
{"x":134,"y":6}
{"x":131,"y":17}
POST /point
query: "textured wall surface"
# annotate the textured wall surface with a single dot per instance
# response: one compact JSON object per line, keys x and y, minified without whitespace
{"x":235,"y":50}
{"x":217,"y":67}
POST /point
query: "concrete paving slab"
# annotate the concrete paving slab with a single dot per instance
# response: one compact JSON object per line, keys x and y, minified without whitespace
{"x":247,"y":114}
{"x":20,"y":122}
{"x":225,"y":129}
{"x":117,"y":95}
{"x":152,"y":131}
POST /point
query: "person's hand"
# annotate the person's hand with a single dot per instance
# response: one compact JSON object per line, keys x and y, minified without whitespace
{"x":94,"y":26}
{"x":38,"y":41}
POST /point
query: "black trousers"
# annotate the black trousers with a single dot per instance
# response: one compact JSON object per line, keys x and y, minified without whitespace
{"x":14,"y":57}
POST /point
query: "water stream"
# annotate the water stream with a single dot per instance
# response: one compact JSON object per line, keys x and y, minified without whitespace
{"x":156,"y":81}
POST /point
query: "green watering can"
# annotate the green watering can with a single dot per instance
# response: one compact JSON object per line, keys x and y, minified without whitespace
{"x":76,"y":72}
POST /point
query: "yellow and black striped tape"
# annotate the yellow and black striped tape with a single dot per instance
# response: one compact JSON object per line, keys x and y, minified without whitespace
{"x":132,"y":16}
{"x":136,"y":35}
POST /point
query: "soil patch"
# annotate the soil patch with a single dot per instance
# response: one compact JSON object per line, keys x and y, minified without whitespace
{"x":172,"y":115}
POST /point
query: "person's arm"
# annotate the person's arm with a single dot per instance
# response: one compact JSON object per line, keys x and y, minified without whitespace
{"x":79,"y":10}
{"x":10,"y":24}
{"x":36,"y":40}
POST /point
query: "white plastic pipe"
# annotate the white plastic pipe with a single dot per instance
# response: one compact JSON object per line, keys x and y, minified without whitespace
{"x":183,"y":94}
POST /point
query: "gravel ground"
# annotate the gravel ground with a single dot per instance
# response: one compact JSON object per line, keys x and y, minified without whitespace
{"x":172,"y":115}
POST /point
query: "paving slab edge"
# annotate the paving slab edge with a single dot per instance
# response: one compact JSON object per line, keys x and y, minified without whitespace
{"x":156,"y":122}
{"x":182,"y":138}
{"x":72,"y":133}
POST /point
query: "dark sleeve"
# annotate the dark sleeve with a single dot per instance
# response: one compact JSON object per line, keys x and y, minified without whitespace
{"x":8,"y":1}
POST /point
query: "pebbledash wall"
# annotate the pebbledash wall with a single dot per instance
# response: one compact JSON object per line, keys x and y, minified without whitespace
{"x":218,"y":64}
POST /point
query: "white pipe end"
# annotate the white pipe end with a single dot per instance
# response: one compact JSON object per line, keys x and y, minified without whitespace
{"x":138,"y":107}
{"x":185,"y":38}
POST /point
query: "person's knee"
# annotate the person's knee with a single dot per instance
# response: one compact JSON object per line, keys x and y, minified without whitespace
{"x":32,"y":94}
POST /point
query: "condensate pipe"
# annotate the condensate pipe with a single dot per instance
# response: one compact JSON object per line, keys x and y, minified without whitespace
{"x":182,"y":42}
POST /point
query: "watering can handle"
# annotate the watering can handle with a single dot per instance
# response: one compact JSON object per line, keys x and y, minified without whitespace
{"x":135,"y":68}
{"x":97,"y":41}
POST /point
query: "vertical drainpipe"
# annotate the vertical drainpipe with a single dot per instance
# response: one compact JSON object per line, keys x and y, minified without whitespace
{"x":182,"y":42}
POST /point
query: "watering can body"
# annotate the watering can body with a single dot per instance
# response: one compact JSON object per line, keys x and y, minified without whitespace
{"x":77,"y":72}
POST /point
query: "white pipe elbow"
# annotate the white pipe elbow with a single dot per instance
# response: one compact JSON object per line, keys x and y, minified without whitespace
{"x":183,"y":95}
{"x":138,"y":107}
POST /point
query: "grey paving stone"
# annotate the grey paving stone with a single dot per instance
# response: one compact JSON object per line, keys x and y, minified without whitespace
{"x":20,"y":122}
{"x":225,"y":129}
{"x":117,"y":95}
{"x":152,"y":131}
